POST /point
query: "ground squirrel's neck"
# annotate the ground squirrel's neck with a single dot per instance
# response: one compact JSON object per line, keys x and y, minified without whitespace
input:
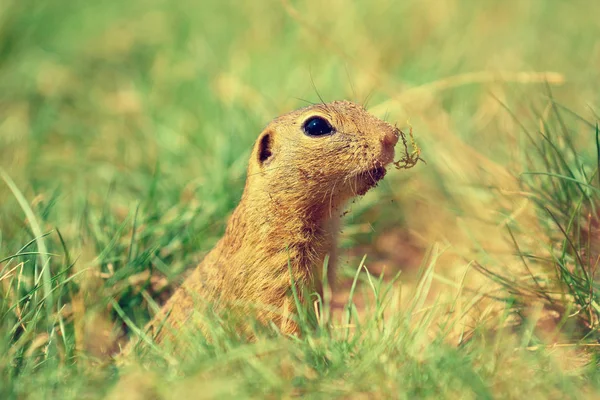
{"x":280,"y":222}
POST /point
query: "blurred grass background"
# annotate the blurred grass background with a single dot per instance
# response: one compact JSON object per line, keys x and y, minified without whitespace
{"x":126,"y":127}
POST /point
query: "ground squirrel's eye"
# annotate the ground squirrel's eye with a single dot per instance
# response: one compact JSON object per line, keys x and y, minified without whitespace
{"x":317,"y":126}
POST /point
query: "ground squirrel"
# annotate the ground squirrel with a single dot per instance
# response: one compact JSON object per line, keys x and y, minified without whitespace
{"x":303,"y":168}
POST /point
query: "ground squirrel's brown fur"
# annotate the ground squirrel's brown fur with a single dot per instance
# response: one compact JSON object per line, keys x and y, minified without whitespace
{"x":296,"y":187}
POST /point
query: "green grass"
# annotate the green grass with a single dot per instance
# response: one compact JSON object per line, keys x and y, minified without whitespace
{"x":125,"y":130}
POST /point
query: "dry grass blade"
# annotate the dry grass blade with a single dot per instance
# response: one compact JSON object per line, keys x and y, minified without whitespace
{"x":44,"y":275}
{"x":410,"y":157}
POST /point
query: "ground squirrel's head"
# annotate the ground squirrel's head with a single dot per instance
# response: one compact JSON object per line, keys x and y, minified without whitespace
{"x":322,"y":154}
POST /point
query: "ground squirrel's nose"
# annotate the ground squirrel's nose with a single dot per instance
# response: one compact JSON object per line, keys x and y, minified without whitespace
{"x":391,"y":137}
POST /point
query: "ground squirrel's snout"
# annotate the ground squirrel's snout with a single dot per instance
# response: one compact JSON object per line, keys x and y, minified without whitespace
{"x":388,"y":142}
{"x":386,"y":137}
{"x":390,"y":137}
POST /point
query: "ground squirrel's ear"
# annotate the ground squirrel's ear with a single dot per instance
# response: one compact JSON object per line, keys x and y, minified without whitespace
{"x":265,"y":147}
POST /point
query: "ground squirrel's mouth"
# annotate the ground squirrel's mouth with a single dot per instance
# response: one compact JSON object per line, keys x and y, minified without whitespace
{"x":369,"y":179}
